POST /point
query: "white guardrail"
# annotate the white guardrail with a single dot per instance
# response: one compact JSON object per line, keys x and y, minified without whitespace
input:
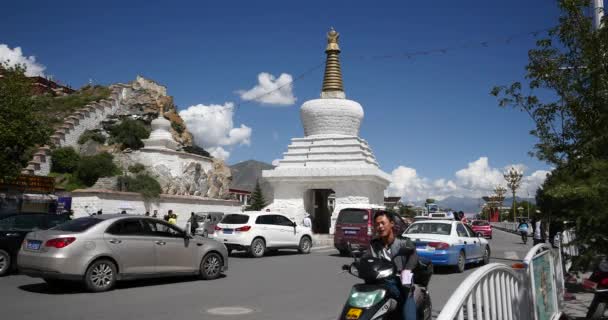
{"x":497,"y":291}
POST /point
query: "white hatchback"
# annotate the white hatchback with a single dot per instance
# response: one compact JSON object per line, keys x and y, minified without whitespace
{"x":257,"y":232}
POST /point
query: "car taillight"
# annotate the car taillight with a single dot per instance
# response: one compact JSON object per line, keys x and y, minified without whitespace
{"x":439,"y":245}
{"x":369,"y":229}
{"x":604,"y":282}
{"x":244,"y":228}
{"x":59,"y":242}
{"x":217,"y":228}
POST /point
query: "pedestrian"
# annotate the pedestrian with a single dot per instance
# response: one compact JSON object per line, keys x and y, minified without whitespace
{"x":147,"y":213}
{"x":99,"y":212}
{"x":168,"y":215}
{"x":193,"y":223}
{"x":539,"y":232}
{"x":172,"y":219}
{"x":307,"y":222}
{"x":155,"y":215}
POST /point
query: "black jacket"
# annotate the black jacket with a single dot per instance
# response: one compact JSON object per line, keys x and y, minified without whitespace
{"x":409,"y":262}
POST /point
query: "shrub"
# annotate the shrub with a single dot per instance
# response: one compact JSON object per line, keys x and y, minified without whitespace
{"x":197,"y":150}
{"x":178,"y":127}
{"x":129,"y":133}
{"x":91,"y":135}
{"x":64,"y":160}
{"x":137,"y":168}
{"x":144,"y":184}
{"x":92,"y":168}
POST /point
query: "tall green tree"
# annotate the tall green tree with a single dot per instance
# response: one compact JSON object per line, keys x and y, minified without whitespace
{"x":567,"y":98}
{"x":20,"y":129}
{"x":257,"y":201}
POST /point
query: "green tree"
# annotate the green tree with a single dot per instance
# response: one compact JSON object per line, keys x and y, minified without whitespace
{"x":567,"y":98}
{"x":20,"y":129}
{"x":137,"y":168}
{"x":91,"y":135}
{"x":257,"y":199}
{"x":64,"y":160}
{"x":129,"y":134}
{"x":93,"y":167}
{"x":144,"y":184}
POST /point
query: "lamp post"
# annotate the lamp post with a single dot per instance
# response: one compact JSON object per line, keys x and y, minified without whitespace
{"x":513,"y":177}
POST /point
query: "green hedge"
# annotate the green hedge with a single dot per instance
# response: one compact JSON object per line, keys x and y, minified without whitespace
{"x":64,"y":160}
{"x":129,"y":134}
{"x":92,"y":168}
{"x":142,"y":183}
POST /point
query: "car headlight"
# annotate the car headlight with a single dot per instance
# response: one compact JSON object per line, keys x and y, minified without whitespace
{"x":365,"y":299}
{"x":384,"y":274}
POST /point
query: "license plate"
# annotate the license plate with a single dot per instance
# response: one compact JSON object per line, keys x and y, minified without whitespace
{"x":33,"y":244}
{"x":350,"y":232}
{"x":353,"y":313}
{"x":227,"y":231}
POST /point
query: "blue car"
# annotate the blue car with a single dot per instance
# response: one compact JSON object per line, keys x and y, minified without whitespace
{"x":448,"y":243}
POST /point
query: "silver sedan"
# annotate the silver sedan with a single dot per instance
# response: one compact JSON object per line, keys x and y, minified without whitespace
{"x":100,"y":250}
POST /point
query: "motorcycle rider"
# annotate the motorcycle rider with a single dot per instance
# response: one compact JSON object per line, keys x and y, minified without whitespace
{"x":523,"y":229}
{"x":387,"y":245}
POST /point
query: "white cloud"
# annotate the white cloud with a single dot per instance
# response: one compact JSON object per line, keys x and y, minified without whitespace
{"x":271,"y":90}
{"x":212,"y":127}
{"x":276,"y":162}
{"x":15,"y":56}
{"x":476,"y":180}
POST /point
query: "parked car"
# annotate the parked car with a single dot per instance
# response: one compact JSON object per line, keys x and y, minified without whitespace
{"x":100,"y":250}
{"x":14,"y":227}
{"x":448,"y":242}
{"x":356,"y":226}
{"x":257,"y":232}
{"x":482,"y":228}
{"x":207,"y":222}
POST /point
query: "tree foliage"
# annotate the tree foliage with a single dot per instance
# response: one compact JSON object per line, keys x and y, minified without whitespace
{"x":144,"y":184}
{"x":20,"y":129}
{"x":91,"y":135}
{"x":64,"y":160}
{"x":567,"y":98}
{"x":129,"y":134}
{"x":92,"y":168}
{"x":257,"y":199}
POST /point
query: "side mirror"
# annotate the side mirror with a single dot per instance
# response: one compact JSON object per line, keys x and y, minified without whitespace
{"x":295,"y":224}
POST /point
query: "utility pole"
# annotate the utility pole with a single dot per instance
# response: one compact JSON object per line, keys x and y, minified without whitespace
{"x":598,"y":13}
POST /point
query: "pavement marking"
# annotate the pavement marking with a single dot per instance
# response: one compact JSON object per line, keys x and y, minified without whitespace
{"x":320,"y":248}
{"x":230,"y":311}
{"x":511,"y":255}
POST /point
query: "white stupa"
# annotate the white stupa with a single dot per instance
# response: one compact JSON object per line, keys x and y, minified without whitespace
{"x":330,"y":159}
{"x":160,"y":137}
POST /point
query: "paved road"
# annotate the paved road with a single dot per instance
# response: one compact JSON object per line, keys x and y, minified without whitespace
{"x":282,"y":286}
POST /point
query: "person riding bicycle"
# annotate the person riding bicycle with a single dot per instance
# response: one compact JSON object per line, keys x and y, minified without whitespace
{"x":386,"y":245}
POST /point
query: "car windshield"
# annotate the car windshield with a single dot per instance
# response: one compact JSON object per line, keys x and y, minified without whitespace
{"x":430,"y":228}
{"x":78,"y":225}
{"x":480,"y":223}
{"x":235,"y":219}
{"x":353,"y":216}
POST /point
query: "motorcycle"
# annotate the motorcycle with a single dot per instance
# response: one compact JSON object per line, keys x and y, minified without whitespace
{"x":599,"y":283}
{"x":372,"y":300}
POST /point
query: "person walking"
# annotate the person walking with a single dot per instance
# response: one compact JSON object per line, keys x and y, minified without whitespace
{"x":168,"y":215}
{"x":155,"y":214}
{"x":192,"y":224}
{"x":147,"y":213}
{"x":539,"y":232}
{"x":172,"y":219}
{"x":307,"y":222}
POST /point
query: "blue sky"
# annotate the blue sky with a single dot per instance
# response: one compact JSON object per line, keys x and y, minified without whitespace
{"x":431,"y":113}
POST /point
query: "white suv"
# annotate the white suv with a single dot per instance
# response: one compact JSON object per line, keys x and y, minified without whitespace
{"x":257,"y":231}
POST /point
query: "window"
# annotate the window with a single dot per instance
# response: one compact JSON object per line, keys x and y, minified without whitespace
{"x":235,"y":219}
{"x":472,"y":233}
{"x":78,"y":225}
{"x":126,"y":228}
{"x":353,"y":216}
{"x":161,"y":229}
{"x":56,"y":219}
{"x":480,"y":223}
{"x":24,"y":222}
{"x":282,"y":221}
{"x":462,"y":232}
{"x":265,"y":219}
{"x":430,"y":228}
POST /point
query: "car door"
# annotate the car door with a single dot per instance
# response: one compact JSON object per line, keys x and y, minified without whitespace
{"x":466,"y":241}
{"x":14,"y":228}
{"x":267,"y":228}
{"x":175,"y":253}
{"x":289,"y":236}
{"x":477,"y":243}
{"x":132,"y":247}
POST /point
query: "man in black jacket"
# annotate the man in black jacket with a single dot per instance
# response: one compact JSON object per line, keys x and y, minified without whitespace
{"x":387,"y":245}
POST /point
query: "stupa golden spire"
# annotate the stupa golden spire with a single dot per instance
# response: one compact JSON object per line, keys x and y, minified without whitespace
{"x":332,"y":80}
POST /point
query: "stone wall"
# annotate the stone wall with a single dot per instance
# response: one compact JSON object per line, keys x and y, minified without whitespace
{"x":86,"y":202}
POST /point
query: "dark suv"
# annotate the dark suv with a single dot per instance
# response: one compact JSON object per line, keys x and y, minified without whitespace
{"x":356,"y":225}
{"x":14,"y":227}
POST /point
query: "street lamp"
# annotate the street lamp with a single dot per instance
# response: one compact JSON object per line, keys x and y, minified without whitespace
{"x":513,"y":177}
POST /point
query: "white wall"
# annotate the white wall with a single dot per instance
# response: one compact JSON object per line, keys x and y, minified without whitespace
{"x":175,"y":161}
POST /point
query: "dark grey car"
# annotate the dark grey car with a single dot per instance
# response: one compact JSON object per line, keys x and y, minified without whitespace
{"x":100,"y":250}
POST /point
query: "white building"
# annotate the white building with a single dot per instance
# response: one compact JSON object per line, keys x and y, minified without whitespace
{"x":330,"y":160}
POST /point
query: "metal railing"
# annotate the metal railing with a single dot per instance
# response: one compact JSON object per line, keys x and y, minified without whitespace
{"x":492,"y":292}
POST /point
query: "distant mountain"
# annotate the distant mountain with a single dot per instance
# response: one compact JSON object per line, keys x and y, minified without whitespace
{"x":245,"y":174}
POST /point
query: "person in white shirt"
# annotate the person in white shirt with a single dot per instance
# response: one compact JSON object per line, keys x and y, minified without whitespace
{"x":307,"y":222}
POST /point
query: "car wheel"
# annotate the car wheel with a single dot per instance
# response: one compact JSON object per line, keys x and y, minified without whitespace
{"x":305,"y":245}
{"x":211,"y":266}
{"x":100,"y":276}
{"x":258,"y":247}
{"x":460,"y":262}
{"x":486,"y":256}
{"x":5,"y":263}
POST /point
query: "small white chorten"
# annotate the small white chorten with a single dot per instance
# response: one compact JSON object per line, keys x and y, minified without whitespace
{"x":161,"y":137}
{"x":330,"y":159}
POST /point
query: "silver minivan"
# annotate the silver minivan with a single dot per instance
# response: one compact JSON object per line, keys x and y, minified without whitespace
{"x":100,"y":250}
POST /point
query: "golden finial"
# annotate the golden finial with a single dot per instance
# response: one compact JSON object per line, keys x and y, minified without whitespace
{"x":332,"y":80}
